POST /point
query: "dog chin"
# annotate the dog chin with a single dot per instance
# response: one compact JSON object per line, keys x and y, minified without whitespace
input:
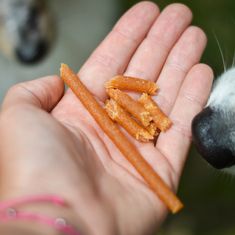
{"x":230,"y":170}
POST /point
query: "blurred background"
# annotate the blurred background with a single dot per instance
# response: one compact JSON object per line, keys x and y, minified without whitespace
{"x":70,"y":32}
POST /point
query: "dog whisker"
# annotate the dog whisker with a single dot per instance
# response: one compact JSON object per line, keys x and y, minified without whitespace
{"x":221,"y":52}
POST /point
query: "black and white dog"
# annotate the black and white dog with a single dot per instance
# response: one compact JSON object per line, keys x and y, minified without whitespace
{"x":26,"y":30}
{"x":214,"y":128}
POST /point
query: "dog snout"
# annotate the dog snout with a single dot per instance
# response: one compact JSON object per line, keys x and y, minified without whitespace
{"x":29,"y":53}
{"x":31,"y":47}
{"x":28,"y":30}
{"x":213,"y":137}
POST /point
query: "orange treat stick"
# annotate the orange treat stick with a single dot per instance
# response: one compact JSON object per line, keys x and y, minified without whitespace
{"x":132,"y":106}
{"x":120,"y":140}
{"x":118,"y":114}
{"x":160,"y":119}
{"x":132,"y":84}
{"x":152,"y":129}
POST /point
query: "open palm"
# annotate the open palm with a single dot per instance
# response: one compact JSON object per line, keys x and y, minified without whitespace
{"x":159,"y":47}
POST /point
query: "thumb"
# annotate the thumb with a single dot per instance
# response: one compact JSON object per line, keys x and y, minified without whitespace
{"x":43,"y":93}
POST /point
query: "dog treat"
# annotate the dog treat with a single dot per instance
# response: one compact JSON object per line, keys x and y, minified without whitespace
{"x":160,"y":119}
{"x":132,"y":106}
{"x":152,"y":129}
{"x":118,"y":114}
{"x":132,"y":84}
{"x":120,"y":140}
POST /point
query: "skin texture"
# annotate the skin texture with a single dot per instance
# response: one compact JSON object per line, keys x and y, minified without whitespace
{"x":50,"y":143}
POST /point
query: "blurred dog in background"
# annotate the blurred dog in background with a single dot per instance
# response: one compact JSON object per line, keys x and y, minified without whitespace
{"x":26,"y":29}
{"x":69,"y":30}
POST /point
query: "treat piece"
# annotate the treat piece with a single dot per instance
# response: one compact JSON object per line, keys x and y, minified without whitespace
{"x":123,"y":118}
{"x":160,"y":119}
{"x":132,"y":106}
{"x":132,"y":84}
{"x":152,"y":129}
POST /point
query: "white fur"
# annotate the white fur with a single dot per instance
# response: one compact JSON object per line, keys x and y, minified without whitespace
{"x":223,"y":93}
{"x":230,"y":170}
{"x":222,"y":98}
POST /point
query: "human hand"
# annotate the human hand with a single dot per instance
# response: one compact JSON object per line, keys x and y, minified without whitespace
{"x":59,"y":149}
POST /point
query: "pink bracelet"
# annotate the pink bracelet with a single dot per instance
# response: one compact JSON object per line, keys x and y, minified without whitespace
{"x":9,"y":213}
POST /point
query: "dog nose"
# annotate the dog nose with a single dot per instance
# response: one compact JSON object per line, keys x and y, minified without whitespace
{"x":32,"y":52}
{"x":33,"y":35}
{"x":212,"y":137}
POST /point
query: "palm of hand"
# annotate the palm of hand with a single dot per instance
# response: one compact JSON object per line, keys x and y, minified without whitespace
{"x":94,"y":163}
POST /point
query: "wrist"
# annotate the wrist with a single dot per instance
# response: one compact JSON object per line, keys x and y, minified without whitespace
{"x":36,"y":215}
{"x":95,"y":220}
{"x":22,"y":227}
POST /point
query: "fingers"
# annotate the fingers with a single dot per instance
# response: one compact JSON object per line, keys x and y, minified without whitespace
{"x":186,"y":53}
{"x":113,"y":54}
{"x":152,"y":53}
{"x":43,"y":93}
{"x":174,"y":144}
